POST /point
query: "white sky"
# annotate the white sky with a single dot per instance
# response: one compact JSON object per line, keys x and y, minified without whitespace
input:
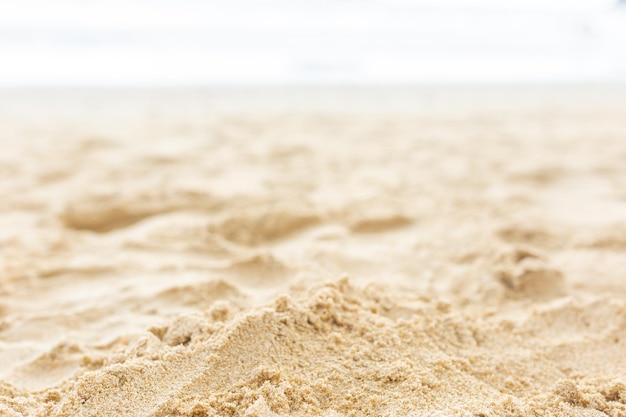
{"x":142,"y":42}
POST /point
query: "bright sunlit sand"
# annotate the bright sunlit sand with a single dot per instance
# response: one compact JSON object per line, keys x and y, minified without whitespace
{"x":313,"y":252}
{"x":366,"y":208}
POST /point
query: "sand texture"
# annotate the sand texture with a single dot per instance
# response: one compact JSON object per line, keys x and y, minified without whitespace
{"x":422,"y":252}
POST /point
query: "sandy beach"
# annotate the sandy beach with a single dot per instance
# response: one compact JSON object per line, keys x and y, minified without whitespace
{"x":433,"y":251}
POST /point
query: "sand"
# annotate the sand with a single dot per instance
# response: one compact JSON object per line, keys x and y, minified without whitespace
{"x":313,"y":252}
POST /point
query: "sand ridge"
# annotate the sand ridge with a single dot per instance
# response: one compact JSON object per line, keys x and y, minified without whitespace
{"x":430,"y":253}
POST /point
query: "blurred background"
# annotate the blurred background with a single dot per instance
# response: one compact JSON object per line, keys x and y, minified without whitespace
{"x":194,"y":42}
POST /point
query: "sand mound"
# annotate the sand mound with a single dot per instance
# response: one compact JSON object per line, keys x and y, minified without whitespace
{"x":333,"y":352}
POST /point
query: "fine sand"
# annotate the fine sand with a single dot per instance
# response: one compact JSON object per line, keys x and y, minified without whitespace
{"x":313,"y":252}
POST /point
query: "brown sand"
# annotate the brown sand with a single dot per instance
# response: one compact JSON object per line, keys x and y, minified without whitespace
{"x":428,"y":252}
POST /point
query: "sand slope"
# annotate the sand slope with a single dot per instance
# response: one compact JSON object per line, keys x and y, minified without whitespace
{"x":291,"y":252}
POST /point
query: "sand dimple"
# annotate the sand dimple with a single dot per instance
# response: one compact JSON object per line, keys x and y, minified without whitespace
{"x":378,"y":222}
{"x":260,"y":270}
{"x":533,"y":278}
{"x":450,"y":260}
{"x":265,"y":223}
{"x":531,"y":235}
{"x":111,"y":209}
